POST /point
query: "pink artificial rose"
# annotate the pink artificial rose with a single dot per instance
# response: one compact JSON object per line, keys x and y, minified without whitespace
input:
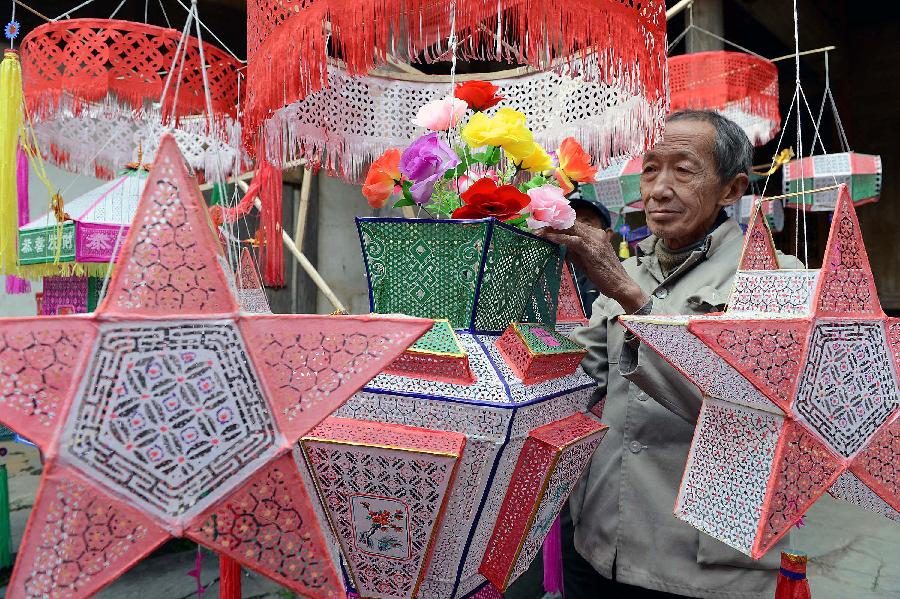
{"x":549,"y":208}
{"x":440,"y":115}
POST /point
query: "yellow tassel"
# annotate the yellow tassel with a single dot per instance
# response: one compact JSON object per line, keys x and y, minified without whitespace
{"x":10,"y":123}
{"x":624,"y":252}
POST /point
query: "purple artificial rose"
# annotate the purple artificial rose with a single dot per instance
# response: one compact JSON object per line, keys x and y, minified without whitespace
{"x":424,"y":162}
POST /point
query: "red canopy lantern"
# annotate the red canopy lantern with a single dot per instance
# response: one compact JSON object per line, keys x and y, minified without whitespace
{"x":97,"y":90}
{"x":741,"y":86}
{"x":297,"y":47}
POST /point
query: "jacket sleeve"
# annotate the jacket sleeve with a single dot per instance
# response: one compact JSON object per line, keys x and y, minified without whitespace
{"x":593,"y":339}
{"x":660,"y":380}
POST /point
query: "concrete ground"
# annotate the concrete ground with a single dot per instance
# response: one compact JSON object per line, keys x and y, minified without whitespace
{"x":853,"y":553}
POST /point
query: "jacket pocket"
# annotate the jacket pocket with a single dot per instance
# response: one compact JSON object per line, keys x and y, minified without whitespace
{"x":713,"y":552}
{"x":615,"y":338}
{"x":708,"y":299}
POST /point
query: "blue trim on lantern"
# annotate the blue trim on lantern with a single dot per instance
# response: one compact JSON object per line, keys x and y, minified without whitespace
{"x":509,"y":405}
{"x":792,"y":575}
{"x":484,"y":254}
{"x":362,"y":251}
{"x":490,"y":360}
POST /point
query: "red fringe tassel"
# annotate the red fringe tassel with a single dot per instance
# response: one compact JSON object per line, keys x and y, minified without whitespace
{"x":288,"y":45}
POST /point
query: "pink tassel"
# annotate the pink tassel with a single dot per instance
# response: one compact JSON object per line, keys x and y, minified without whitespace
{"x":553,"y":566}
{"x":15,"y":285}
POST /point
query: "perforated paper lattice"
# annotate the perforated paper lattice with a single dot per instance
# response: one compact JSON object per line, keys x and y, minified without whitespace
{"x":741,"y":86}
{"x":479,"y":274}
{"x":91,"y":85}
{"x":452,"y":403}
{"x":860,"y":172}
{"x":169,"y":412}
{"x":810,"y":400}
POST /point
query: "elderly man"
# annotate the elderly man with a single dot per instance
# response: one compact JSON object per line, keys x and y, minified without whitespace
{"x":622,"y":508}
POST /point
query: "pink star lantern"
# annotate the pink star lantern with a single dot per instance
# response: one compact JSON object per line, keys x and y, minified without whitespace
{"x":170,"y":413}
{"x":800,"y":391}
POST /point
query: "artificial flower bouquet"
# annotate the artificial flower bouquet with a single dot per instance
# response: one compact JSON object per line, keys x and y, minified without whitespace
{"x":497,"y":170}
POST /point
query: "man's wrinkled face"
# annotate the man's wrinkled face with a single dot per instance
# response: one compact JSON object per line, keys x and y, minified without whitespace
{"x":680,"y":187}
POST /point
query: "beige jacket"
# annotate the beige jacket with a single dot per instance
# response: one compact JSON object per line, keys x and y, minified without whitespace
{"x":622,"y":507}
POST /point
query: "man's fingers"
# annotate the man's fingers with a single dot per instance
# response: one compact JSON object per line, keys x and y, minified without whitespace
{"x":572,"y":241}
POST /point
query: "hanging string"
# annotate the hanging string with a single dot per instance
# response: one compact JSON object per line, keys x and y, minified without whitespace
{"x":799,"y":138}
{"x":71,"y":10}
{"x":165,"y":16}
{"x":12,"y":19}
{"x":178,"y":50}
{"x":210,"y":31}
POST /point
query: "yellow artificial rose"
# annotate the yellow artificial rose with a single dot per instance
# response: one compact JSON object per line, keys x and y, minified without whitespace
{"x":538,"y":161}
{"x":505,"y":129}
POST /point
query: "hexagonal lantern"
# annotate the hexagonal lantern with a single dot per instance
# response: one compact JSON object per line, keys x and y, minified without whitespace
{"x":448,"y":469}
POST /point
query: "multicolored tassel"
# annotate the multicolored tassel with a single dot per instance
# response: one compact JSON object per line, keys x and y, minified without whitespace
{"x":792,"y":583}
{"x":10,"y":125}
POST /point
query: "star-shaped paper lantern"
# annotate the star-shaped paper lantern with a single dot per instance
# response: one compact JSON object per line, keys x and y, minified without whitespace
{"x":800,"y":385}
{"x":169,"y":412}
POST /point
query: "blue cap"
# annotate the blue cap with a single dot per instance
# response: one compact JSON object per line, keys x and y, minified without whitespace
{"x":578,"y":199}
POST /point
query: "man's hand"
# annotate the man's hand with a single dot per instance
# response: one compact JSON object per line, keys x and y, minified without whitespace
{"x":591,"y":251}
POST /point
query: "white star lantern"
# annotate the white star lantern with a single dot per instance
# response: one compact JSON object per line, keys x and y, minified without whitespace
{"x":169,"y":412}
{"x":800,"y":391}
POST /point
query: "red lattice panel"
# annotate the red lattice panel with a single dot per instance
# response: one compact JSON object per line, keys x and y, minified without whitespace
{"x":759,"y":249}
{"x":433,"y":367}
{"x":803,"y":469}
{"x":84,"y":539}
{"x":846,"y":285}
{"x":769,"y":354}
{"x":165,"y":265}
{"x":531,"y":368}
{"x":91,"y":59}
{"x":720,"y":80}
{"x":303,"y":359}
{"x":569,"y":308}
{"x":878,"y":465}
{"x":269,"y":525}
{"x":39,"y":357}
{"x":537,"y":461}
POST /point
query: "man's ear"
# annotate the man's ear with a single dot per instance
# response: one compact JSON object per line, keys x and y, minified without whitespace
{"x":735,"y":190}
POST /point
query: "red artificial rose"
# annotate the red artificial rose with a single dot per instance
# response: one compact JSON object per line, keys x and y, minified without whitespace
{"x":484,"y":198}
{"x":479,"y":95}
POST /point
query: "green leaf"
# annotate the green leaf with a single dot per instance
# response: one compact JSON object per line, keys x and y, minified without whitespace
{"x":518,"y":220}
{"x":404,"y":201}
{"x":535,"y":181}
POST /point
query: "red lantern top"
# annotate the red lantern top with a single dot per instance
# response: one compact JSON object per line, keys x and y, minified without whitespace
{"x":91,"y":60}
{"x":741,"y":86}
{"x":289,"y":41}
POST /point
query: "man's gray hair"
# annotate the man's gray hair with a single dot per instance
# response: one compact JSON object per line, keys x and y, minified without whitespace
{"x":732,"y":148}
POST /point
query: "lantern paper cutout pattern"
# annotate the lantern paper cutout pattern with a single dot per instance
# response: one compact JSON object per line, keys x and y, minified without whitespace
{"x":250,"y":292}
{"x":799,"y":379}
{"x":95,"y":224}
{"x":455,"y":269}
{"x":570,"y":311}
{"x":603,"y":80}
{"x":93,"y":88}
{"x":169,"y":413}
{"x":740,"y":86}
{"x":357,"y":118}
{"x":860,"y":172}
{"x":618,"y":186}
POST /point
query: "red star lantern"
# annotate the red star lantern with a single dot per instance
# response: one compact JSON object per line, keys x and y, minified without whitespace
{"x":170,"y":413}
{"x":800,"y":385}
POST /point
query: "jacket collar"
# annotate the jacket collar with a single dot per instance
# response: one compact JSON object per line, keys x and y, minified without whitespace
{"x":716,"y":239}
